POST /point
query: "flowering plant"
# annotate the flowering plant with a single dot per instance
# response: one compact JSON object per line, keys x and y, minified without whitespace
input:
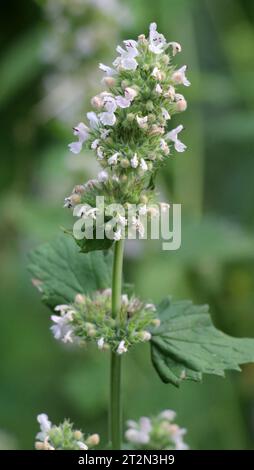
{"x":130,"y":137}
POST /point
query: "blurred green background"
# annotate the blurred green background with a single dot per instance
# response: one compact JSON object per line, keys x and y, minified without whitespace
{"x":48,"y":71}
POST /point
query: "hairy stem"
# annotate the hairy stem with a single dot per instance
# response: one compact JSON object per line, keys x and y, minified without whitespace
{"x":115,"y":373}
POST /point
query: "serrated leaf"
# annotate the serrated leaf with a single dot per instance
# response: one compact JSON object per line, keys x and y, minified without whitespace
{"x":60,"y":271}
{"x":187,"y":345}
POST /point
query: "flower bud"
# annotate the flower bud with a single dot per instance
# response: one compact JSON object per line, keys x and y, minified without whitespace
{"x":142,"y":39}
{"x":109,"y":81}
{"x":156,"y":130}
{"x":181,"y":105}
{"x":156,"y":322}
{"x":80,"y":299}
{"x":75,"y":199}
{"x":40,"y":446}
{"x":124,"y":178}
{"x":78,"y":435}
{"x":130,"y":117}
{"x":93,"y":440}
{"x":149,"y":106}
{"x":79,"y":189}
{"x":143,"y":199}
{"x":125,"y":84}
{"x":165,"y":59}
{"x":97,"y":102}
{"x":125,"y":163}
{"x":145,"y":335}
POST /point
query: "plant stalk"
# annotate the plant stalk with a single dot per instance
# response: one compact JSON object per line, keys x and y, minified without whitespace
{"x":115,"y":366}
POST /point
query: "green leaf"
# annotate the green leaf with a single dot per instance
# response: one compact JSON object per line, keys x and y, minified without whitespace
{"x":60,"y":271}
{"x":187,"y":345}
{"x":94,"y":244}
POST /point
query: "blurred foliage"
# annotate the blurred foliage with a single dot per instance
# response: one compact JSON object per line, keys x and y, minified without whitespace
{"x":213,"y":181}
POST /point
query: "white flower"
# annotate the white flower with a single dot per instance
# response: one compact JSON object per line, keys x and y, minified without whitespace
{"x":103,"y":176}
{"x":118,"y":236}
{"x":62,"y":329}
{"x":107,"y":119}
{"x":87,"y":211}
{"x":45,"y":426}
{"x":134,"y":161}
{"x":81,"y":445}
{"x":158,"y":89}
{"x":100,"y":153}
{"x":127,"y":60}
{"x":170,"y":93}
{"x":143,"y":165}
{"x":138,"y":226}
{"x":176,"y":434}
{"x":164,"y":146}
{"x":121,"y":220}
{"x":100,"y":343}
{"x":107,"y":70}
{"x":109,"y":103}
{"x":95,"y":144}
{"x":165,"y":114}
{"x":142,"y":121}
{"x":82,"y":132}
{"x":156,"y":73}
{"x":173,"y":136}
{"x":179,"y":76}
{"x":145,"y":335}
{"x":168,"y":414}
{"x":176,"y":47}
{"x":62,"y":309}
{"x":121,"y":348}
{"x":130,"y":93}
{"x":113,"y":159}
{"x":122,"y":102}
{"x":139,"y":433}
{"x":104,"y":133}
{"x":157,"y":42}
{"x":93,"y":119}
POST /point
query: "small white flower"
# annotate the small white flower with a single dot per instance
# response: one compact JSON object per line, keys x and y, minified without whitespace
{"x":142,"y":121}
{"x":104,"y":133}
{"x":45,"y":426}
{"x":130,"y":93}
{"x":138,"y":226}
{"x":81,"y":445}
{"x":113,"y":159}
{"x":176,"y":47}
{"x":165,"y":114}
{"x":146,"y":336}
{"x":173,"y":136}
{"x":95,"y":144}
{"x":139,"y":433}
{"x":107,"y":119}
{"x":103,"y":176}
{"x":156,"y":73}
{"x":179,"y":76}
{"x":122,"y":102}
{"x":127,"y":60}
{"x":158,"y":89}
{"x":62,"y":308}
{"x":164,"y":146}
{"x":121,"y":348}
{"x":100,"y":153}
{"x":157,"y":42}
{"x":107,"y":70}
{"x":170,"y":93}
{"x":117,"y":236}
{"x":168,"y":414}
{"x":143,"y":165}
{"x":121,"y":220}
{"x":100,"y":343}
{"x":93,"y":119}
{"x":109,"y":103}
{"x":134,"y":161}
{"x":82,"y":132}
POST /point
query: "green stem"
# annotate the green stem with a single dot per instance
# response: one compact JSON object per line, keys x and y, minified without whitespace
{"x":115,"y":373}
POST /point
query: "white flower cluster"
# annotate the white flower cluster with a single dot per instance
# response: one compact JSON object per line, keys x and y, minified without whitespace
{"x":157,"y":433}
{"x":62,"y":437}
{"x":88,"y":320}
{"x":128,"y":130}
